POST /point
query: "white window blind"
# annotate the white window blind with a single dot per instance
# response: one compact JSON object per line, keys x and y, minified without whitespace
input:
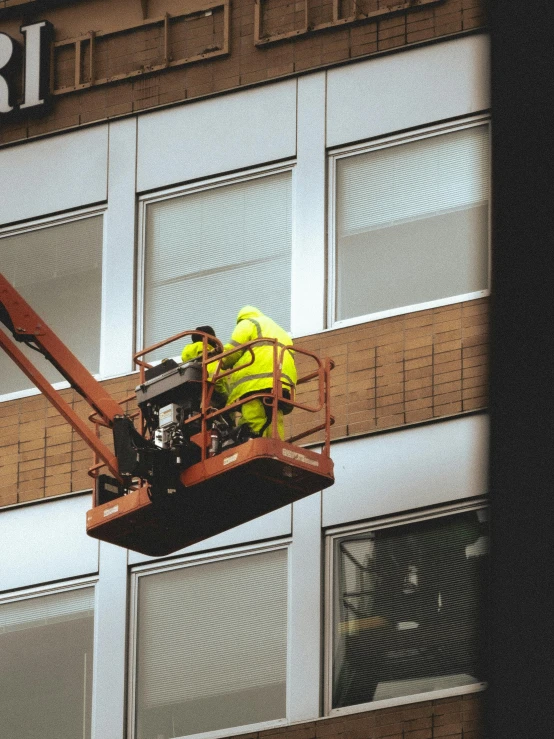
{"x":46,"y":648}
{"x":49,"y":609}
{"x":412,"y":223}
{"x":209,"y":253}
{"x":58,"y":271}
{"x":212,"y":645}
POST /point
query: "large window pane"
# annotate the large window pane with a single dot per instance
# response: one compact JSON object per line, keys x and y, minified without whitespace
{"x":406,"y":608}
{"x":209,"y":253}
{"x":46,"y":666}
{"x":412,"y":223}
{"x":58,"y":270}
{"x":212,"y":646}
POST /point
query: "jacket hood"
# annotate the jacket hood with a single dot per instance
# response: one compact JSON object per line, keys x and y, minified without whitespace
{"x":248,"y":312}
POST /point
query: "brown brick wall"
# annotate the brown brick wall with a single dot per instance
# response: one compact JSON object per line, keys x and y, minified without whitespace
{"x":405,"y":369}
{"x":40,"y":454}
{"x":447,"y":718}
{"x":388,"y":373}
{"x":246,"y":63}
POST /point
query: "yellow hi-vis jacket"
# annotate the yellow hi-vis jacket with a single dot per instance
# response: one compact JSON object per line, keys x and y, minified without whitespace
{"x":194,"y":351}
{"x":253,"y":324}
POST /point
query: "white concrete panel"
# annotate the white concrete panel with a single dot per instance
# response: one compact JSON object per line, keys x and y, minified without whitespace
{"x":304,"y":647}
{"x":119,"y":252}
{"x":397,"y":471}
{"x":225,"y":133}
{"x":110,"y":644}
{"x":308,"y":254}
{"x":412,"y":88}
{"x":274,"y":524}
{"x":54,"y":174}
{"x":46,"y":542}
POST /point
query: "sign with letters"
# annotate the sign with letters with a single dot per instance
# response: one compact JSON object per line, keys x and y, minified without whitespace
{"x":25,"y":70}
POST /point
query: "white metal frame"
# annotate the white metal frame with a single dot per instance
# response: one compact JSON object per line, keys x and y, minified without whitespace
{"x":175,"y":192}
{"x":383,"y":143}
{"x":309,"y":257}
{"x":153,"y":568}
{"x":381,"y":523}
{"x":51,"y":589}
{"x":48,"y":222}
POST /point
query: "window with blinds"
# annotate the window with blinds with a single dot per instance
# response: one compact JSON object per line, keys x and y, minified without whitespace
{"x":406,"y":608}
{"x":58,"y":271}
{"x":46,"y":648}
{"x":210,"y":252}
{"x":211,"y":646}
{"x":412,"y":223}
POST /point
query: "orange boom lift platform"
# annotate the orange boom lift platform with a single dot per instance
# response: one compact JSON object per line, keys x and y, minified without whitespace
{"x":180,"y":471}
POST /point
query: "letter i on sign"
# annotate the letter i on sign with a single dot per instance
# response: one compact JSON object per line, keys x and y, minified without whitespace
{"x":38,"y":37}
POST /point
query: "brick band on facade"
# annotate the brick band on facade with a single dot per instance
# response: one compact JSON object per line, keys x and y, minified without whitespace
{"x":389,"y":373}
{"x":245,"y":64}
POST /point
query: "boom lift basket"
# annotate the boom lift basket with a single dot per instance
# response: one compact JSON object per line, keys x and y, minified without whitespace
{"x":229,"y":488}
{"x":224,"y":491}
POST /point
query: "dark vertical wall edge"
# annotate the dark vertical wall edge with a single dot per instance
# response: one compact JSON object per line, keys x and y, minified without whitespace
{"x":520,"y":653}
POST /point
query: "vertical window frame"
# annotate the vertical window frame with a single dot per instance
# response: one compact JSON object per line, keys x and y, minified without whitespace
{"x":381,"y":523}
{"x":157,"y":567}
{"x":335,"y":155}
{"x":203,"y":185}
{"x":49,"y":222}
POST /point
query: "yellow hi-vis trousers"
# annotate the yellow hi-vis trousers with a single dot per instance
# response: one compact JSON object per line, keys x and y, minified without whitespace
{"x":254,"y":414}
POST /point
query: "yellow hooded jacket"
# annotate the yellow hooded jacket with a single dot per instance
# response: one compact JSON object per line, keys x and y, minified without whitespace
{"x":253,"y":324}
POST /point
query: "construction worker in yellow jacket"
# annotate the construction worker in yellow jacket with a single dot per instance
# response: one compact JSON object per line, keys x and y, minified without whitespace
{"x":258,"y":376}
{"x":194,"y":351}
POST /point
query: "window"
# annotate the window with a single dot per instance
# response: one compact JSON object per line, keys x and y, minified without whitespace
{"x":405,"y":608}
{"x":211,"y":645}
{"x":57,"y":268}
{"x":411,"y":223}
{"x":46,"y":677}
{"x":212,"y":250}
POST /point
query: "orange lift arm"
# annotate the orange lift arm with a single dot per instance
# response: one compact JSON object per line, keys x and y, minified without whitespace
{"x":28,"y":328}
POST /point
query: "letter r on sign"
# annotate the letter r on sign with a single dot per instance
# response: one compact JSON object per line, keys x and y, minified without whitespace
{"x":8,"y":55}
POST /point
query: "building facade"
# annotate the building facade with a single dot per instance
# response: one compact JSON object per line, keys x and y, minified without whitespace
{"x":163,"y":163}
